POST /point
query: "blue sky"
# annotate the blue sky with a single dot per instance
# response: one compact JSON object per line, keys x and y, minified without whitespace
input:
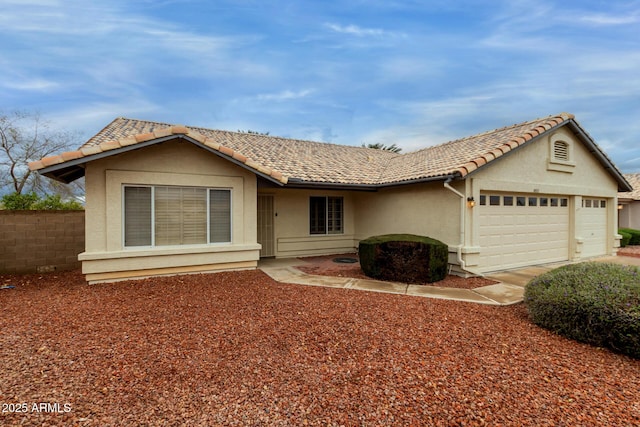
{"x":414,"y":73}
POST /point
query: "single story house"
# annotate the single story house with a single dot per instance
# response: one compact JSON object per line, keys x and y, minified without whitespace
{"x":163,"y":199}
{"x":629,"y":203}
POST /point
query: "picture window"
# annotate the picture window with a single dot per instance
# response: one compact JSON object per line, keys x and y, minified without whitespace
{"x":171,"y":215}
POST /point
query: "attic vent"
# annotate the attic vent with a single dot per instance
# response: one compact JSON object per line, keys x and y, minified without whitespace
{"x":561,"y":151}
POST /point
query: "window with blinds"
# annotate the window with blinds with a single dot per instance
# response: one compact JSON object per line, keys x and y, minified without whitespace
{"x":169,"y":215}
{"x":220,"y":216}
{"x":137,"y":214}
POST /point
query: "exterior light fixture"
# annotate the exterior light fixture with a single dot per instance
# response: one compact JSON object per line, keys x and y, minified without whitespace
{"x":620,"y":207}
{"x":470,"y":202}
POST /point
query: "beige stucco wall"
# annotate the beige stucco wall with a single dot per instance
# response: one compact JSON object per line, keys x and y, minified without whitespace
{"x":529,"y":170}
{"x":291,"y":224}
{"x":630,"y":214}
{"x":171,"y":163}
{"x":426,"y":209}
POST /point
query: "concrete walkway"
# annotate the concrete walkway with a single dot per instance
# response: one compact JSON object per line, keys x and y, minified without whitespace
{"x":509,"y":289}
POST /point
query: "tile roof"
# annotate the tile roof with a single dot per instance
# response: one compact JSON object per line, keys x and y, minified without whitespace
{"x":297,"y":161}
{"x":634,"y":180}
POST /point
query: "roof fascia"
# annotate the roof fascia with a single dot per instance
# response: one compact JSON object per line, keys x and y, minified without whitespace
{"x":72,"y":166}
{"x":297,"y":183}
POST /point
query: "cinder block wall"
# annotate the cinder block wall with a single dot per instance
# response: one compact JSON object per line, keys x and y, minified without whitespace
{"x":40,"y":241}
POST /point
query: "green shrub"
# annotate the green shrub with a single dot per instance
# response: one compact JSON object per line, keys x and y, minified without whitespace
{"x":404,"y":258}
{"x":626,"y":238}
{"x":595,"y":303}
{"x":32,"y":201}
{"x":19,"y":202}
{"x":54,"y":202}
{"x":635,"y":235}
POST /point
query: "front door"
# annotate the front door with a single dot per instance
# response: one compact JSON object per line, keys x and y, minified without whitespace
{"x":265,"y":225}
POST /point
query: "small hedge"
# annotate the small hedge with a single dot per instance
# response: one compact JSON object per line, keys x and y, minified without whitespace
{"x":595,"y":303}
{"x":404,"y":258}
{"x":626,"y":238}
{"x":635,"y":235}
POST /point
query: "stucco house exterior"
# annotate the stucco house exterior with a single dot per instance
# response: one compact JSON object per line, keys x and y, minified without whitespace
{"x":163,"y":199}
{"x":629,"y":203}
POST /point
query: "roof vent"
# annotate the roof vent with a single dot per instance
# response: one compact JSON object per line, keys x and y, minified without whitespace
{"x":561,"y":151}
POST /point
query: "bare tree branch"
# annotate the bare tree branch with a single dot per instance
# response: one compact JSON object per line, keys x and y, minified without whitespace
{"x":25,"y":137}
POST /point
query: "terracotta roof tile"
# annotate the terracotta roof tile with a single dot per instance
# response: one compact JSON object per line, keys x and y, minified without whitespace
{"x":316,"y":162}
{"x":179,"y":129}
{"x":143,"y":137}
{"x":634,"y":180}
{"x":36,"y":165}
{"x":90,"y":150}
{"x":130,"y":140}
{"x":71,"y":155}
{"x":110,"y":145}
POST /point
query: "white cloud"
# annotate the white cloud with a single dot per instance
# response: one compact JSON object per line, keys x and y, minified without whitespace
{"x":285,"y":95}
{"x":34,"y":84}
{"x":355,"y":30}
{"x":601,"y":19}
{"x":358,"y":31}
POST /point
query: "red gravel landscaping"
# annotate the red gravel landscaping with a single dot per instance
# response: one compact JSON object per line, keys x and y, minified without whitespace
{"x":240,"y":349}
{"x":633,"y":251}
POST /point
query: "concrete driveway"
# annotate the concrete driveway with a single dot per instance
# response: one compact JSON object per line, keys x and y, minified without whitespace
{"x":512,"y":282}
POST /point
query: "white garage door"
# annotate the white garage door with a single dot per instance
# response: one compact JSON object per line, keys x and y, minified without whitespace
{"x":522,"y":229}
{"x":593,"y":227}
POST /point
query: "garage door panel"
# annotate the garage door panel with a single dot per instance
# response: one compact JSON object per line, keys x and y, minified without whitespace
{"x":593,"y":229}
{"x":512,"y":236}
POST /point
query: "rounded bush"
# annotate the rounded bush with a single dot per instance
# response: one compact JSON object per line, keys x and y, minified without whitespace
{"x":595,"y":303}
{"x":626,"y":238}
{"x":406,"y":258}
{"x":635,"y":235}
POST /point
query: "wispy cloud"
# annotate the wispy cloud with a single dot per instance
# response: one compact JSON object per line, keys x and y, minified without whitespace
{"x":355,"y":30}
{"x":285,"y":95}
{"x":31,"y":85}
{"x":601,"y":19}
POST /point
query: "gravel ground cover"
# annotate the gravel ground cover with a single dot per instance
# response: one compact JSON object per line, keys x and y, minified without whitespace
{"x":325,"y":266}
{"x":633,"y":251}
{"x":240,"y":349}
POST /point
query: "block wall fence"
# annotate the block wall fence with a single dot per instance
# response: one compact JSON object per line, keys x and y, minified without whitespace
{"x":40,"y":241}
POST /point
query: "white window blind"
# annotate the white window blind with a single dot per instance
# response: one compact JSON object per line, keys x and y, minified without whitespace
{"x":180,"y":215}
{"x":137,"y":214}
{"x":219,"y":216}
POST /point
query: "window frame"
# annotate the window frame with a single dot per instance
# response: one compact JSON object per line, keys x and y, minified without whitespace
{"x":153,"y":244}
{"x":313,"y":225}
